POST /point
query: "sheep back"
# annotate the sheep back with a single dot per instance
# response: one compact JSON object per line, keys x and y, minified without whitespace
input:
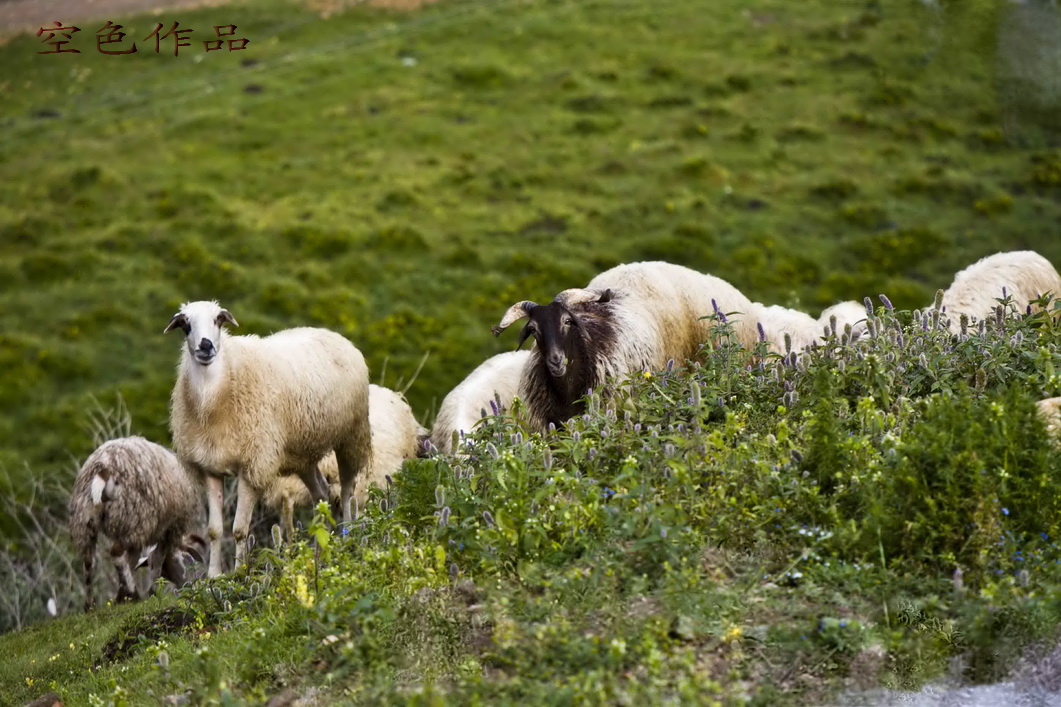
{"x":462,"y":408}
{"x":664,"y":302}
{"x":1025,"y":274}
{"x":149,"y":498}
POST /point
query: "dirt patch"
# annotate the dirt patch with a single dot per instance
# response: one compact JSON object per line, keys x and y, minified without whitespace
{"x":146,"y":628}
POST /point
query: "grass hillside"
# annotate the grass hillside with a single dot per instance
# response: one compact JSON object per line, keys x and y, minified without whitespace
{"x":403,"y":177}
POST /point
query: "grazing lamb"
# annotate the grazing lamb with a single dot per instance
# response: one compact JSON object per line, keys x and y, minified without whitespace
{"x":138,"y":495}
{"x":265,"y":407}
{"x":1050,"y":410}
{"x":1024,"y":274}
{"x":463,"y":407}
{"x":628,"y":319}
{"x":803,"y":329}
{"x":850,"y":312}
{"x":394,"y":439}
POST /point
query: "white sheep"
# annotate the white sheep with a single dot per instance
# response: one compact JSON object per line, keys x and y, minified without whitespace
{"x":137,"y":494}
{"x":1024,"y":274}
{"x":262,"y":408}
{"x":631,"y":318}
{"x":849,"y":312}
{"x":395,"y":433}
{"x":496,"y":378}
{"x":802,"y":329}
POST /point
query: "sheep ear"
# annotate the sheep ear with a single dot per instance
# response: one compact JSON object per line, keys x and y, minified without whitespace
{"x":606,"y":297}
{"x":523,"y":336}
{"x":179,"y":321}
{"x":195,"y":546}
{"x":226,"y":316}
{"x":146,"y":557}
{"x":516,"y":312}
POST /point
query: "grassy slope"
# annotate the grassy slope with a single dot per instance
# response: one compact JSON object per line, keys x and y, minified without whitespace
{"x":806,"y":154}
{"x":688,"y":541}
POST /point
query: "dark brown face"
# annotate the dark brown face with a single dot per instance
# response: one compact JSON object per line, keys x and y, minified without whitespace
{"x":557,"y":332}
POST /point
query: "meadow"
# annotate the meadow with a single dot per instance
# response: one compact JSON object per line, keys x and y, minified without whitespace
{"x":402,"y":178}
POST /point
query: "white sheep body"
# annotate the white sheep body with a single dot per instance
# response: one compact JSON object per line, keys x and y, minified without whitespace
{"x":803,"y":329}
{"x":395,"y":432}
{"x":849,"y":312}
{"x":266,"y":407}
{"x":664,"y":311}
{"x":497,"y":377}
{"x":137,"y":494}
{"x":1024,"y":274}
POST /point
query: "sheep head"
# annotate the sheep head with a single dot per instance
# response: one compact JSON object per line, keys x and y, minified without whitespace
{"x":558,"y":328}
{"x":201,"y":323}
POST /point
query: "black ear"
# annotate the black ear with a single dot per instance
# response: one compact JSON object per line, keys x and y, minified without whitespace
{"x":606,"y":297}
{"x":226,"y":316}
{"x":523,"y":336}
{"x":179,"y":321}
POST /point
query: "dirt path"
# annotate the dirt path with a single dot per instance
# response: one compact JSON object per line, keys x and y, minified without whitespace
{"x":29,"y":15}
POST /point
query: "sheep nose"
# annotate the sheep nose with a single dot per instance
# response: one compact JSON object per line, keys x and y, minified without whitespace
{"x":206,"y":346}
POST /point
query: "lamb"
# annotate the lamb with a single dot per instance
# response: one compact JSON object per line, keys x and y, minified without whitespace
{"x":850,"y":312}
{"x":137,"y":494}
{"x":395,"y":433}
{"x":1024,"y":274}
{"x":631,"y":318}
{"x":496,"y":378}
{"x":803,"y":329}
{"x":265,"y":407}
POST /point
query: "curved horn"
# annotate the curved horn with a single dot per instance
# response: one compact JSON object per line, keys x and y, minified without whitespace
{"x":575,"y":296}
{"x":514,"y":314}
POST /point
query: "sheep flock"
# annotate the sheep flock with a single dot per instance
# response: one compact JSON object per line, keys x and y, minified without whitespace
{"x":293,"y":418}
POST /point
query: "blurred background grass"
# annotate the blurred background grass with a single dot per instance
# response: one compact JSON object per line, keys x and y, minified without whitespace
{"x":403,"y":176}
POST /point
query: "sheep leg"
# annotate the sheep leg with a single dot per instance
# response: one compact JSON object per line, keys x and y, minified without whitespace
{"x":88,"y":559}
{"x":246,"y":499}
{"x":287,"y":518}
{"x":353,"y":461}
{"x":214,"y":496}
{"x":315,"y":483}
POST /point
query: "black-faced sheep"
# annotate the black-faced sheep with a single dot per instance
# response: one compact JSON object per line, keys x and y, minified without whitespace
{"x":137,"y":494}
{"x":462,"y":408}
{"x":629,"y":319}
{"x":1024,"y":274}
{"x":394,"y":439}
{"x":262,"y":408}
